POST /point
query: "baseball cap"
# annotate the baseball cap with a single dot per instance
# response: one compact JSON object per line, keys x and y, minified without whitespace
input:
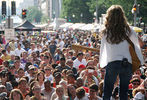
{"x":82,"y":66}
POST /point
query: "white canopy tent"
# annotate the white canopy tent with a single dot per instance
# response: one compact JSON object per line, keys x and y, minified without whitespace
{"x":87,"y":27}
{"x":77,"y":25}
{"x":16,"y":19}
{"x":66,"y":25}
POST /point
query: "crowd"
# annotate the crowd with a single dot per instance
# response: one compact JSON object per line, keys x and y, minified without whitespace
{"x":46,"y":67}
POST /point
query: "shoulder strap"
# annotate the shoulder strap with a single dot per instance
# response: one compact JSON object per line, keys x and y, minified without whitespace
{"x":130,"y":42}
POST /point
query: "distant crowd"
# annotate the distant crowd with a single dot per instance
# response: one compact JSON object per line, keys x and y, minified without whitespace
{"x":46,"y":67}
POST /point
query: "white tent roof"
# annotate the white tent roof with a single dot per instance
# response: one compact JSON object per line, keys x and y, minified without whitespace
{"x":87,"y":27}
{"x":41,"y":25}
{"x":76,"y":25}
{"x":16,"y":19}
{"x":65,"y":25}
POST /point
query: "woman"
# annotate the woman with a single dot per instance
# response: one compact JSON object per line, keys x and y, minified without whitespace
{"x":16,"y":95}
{"x":71,"y":92}
{"x":60,"y":93}
{"x":114,"y":52}
{"x":40,"y":79}
{"x":37,"y":93}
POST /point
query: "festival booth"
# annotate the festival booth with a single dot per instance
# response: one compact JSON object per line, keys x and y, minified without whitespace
{"x":137,"y":29}
{"x":65,"y":25}
{"x":27,"y":26}
{"x":87,"y":27}
{"x":76,"y":26}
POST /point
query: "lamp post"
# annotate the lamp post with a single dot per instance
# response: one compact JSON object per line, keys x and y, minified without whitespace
{"x":73,"y":16}
{"x":97,"y":11}
{"x":9,"y":14}
{"x":81,"y":17}
{"x":135,"y":13}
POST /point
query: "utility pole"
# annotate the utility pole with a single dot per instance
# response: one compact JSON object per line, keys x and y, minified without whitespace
{"x":9,"y":14}
{"x":97,"y":11}
{"x":135,"y":13}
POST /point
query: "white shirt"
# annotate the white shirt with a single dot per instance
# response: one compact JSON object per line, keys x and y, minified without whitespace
{"x":49,"y":78}
{"x":139,"y":96}
{"x":48,"y":95}
{"x":61,"y":45}
{"x":113,"y":52}
{"x":30,"y":51}
{"x":18,"y":52}
{"x":76,"y":63}
{"x":84,"y":98}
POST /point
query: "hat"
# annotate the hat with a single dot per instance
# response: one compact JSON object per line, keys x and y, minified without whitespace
{"x":47,"y":80}
{"x":82,"y":66}
{"x":57,"y":74}
{"x":31,"y":67}
{"x":80,"y":53}
{"x":57,"y":62}
{"x":62,"y":58}
{"x":3,"y":95}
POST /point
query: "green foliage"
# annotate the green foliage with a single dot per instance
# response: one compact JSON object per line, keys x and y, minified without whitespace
{"x":44,"y":19}
{"x":88,"y":7}
{"x":79,"y":8}
{"x":34,"y":14}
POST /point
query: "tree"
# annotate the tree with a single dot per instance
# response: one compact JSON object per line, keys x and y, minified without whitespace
{"x":76,"y":11}
{"x":44,"y":19}
{"x":103,"y":5}
{"x":34,"y":14}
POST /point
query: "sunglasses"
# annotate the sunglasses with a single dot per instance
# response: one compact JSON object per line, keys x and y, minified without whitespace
{"x":136,"y":83}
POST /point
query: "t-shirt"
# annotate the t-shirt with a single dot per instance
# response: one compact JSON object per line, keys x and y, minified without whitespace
{"x":48,"y":94}
{"x":5,"y":58}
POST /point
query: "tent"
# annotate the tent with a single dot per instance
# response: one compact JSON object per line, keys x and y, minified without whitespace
{"x":137,"y":29}
{"x":77,"y":25}
{"x":27,"y":26}
{"x":66,"y":25}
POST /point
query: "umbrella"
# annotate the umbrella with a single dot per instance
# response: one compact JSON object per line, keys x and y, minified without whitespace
{"x":137,"y":29}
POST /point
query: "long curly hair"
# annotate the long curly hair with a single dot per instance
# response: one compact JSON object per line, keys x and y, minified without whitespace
{"x":116,"y":26}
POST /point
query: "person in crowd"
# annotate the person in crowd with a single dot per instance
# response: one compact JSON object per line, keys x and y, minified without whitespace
{"x":60,"y":93}
{"x":4,"y":80}
{"x":71,"y":90}
{"x":52,"y":48}
{"x":12,"y":45}
{"x":80,"y":94}
{"x":57,"y":78}
{"x":21,"y":73}
{"x":24,"y":58}
{"x":5,"y":56}
{"x":32,"y":49}
{"x":18,"y":50}
{"x":48,"y":90}
{"x":23,"y":86}
{"x":16,"y":94}
{"x":69,"y":63}
{"x":93,"y":92}
{"x":40,"y":79}
{"x":37,"y":93}
{"x":71,"y":78}
{"x":62,"y":65}
{"x":114,"y":51}
{"x":79,"y":60}
{"x":135,"y":83}
{"x":32,"y":72}
{"x":48,"y":73}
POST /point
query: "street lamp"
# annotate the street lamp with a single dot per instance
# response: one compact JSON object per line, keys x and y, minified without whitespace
{"x":81,"y":16}
{"x":97,"y":11}
{"x":73,"y":16}
{"x":135,"y":13}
